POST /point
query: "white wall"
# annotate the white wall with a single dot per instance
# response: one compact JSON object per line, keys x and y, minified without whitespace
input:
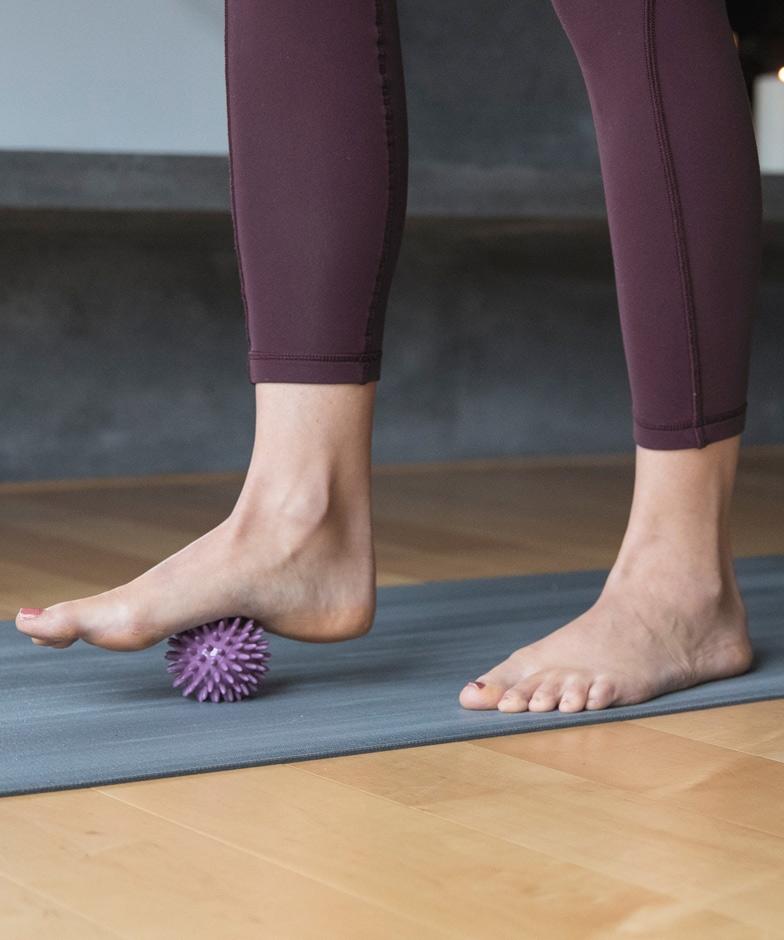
{"x":112,"y":75}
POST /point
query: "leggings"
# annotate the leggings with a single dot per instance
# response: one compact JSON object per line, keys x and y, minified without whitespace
{"x":318,"y":156}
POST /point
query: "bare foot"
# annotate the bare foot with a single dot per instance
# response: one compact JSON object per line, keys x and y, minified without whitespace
{"x":648,"y":633}
{"x":670,"y":615}
{"x":643,"y":637}
{"x":296,"y":553}
{"x":306,"y":579}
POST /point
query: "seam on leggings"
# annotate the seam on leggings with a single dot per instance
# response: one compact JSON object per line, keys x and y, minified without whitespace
{"x":386,"y":97}
{"x":714,"y":419}
{"x":232,"y":192}
{"x":372,"y":356}
{"x":677,"y":218}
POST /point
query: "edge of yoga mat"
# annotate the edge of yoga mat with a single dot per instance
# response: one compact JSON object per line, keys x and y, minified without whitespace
{"x":715,"y":694}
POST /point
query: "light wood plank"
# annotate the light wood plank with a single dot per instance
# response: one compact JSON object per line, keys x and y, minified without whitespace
{"x":697,"y":859}
{"x":146,"y":877}
{"x":756,"y":728}
{"x":668,"y":769}
{"x":26,"y":915}
{"x":440,"y":872}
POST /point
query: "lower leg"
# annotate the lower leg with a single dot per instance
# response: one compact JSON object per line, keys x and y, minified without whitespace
{"x":319,"y":162}
{"x":295,"y":553}
{"x":682,"y":182}
{"x":670,"y":614}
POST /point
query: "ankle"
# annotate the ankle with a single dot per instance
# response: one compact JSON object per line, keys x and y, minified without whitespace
{"x":297,"y":498}
{"x":311,"y":457}
{"x":699,"y":570}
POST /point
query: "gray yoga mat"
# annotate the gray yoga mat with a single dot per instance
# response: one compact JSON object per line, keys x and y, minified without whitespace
{"x":83,"y":716}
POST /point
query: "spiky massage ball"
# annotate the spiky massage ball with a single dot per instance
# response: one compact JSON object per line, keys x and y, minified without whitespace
{"x":223,"y":661}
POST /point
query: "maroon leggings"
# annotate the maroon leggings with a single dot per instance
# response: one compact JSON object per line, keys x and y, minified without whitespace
{"x":319,"y":163}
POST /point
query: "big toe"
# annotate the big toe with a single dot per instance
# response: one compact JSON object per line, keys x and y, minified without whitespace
{"x":484,"y":692}
{"x":51,"y":626}
{"x":102,"y":620}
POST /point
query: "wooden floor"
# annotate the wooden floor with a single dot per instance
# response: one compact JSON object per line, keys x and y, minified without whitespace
{"x":668,"y":827}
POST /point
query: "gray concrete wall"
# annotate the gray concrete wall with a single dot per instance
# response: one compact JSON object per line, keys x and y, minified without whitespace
{"x":494,"y":84}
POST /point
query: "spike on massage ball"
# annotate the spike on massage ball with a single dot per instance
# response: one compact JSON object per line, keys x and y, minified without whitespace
{"x":222,"y":661}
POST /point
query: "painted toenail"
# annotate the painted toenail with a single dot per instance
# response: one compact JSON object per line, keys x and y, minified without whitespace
{"x":30,"y":611}
{"x":477,"y":683}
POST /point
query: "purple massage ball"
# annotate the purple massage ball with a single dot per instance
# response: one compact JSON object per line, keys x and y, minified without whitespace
{"x":223,"y":661}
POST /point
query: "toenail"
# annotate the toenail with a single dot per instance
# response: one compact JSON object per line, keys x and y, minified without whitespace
{"x":477,"y":683}
{"x":30,"y":611}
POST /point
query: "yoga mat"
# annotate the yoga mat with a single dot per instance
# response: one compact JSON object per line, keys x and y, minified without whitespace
{"x":84,"y":716}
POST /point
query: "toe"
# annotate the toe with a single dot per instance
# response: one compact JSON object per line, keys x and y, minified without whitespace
{"x":47,"y":628}
{"x":600,"y":695}
{"x":482,"y":693}
{"x":488,"y":690}
{"x":107,"y":620}
{"x":517,"y":698}
{"x":541,"y":690}
{"x":61,"y":645}
{"x":545,"y":697}
{"x":514,"y":699}
{"x":574,"y":694}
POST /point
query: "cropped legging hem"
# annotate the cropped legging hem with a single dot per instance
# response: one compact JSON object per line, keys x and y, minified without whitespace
{"x":690,"y":435}
{"x":330,"y":370}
